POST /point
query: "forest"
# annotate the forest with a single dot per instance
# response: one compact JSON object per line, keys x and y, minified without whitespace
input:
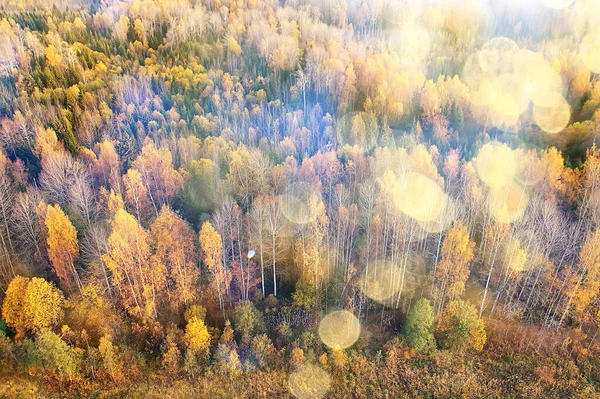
{"x":299,"y":199}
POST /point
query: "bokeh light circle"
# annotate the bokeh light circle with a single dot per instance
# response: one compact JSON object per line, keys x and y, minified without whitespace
{"x":588,"y":51}
{"x":557,"y":4}
{"x":495,"y":165}
{"x":339,"y":329}
{"x":309,"y":382}
{"x":419,"y":197}
{"x":381,"y":282}
{"x":507,"y":204}
{"x":555,"y":118}
{"x":295,"y":203}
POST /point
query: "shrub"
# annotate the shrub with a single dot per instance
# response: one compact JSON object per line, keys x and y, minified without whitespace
{"x":55,"y":355}
{"x":419,"y":326}
{"x":461,"y":328}
{"x":247,"y":321}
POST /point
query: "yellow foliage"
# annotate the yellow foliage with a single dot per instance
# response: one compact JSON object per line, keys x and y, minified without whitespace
{"x":31,"y":305}
{"x":63,"y":247}
{"x":197,"y":338}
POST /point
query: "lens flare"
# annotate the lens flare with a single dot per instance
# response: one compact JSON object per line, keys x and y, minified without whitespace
{"x":555,"y":118}
{"x":507,"y":204}
{"x":295,"y":203}
{"x":542,"y":83}
{"x":419,"y":197}
{"x":381,"y":283}
{"x":557,"y":4}
{"x":588,"y":51}
{"x":445,"y":219}
{"x":496,"y":55}
{"x":530,"y":169}
{"x":309,"y":382}
{"x":339,"y":329}
{"x":495,"y":165}
{"x":515,"y":258}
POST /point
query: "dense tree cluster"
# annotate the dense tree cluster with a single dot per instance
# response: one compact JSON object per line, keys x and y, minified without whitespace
{"x":188,"y":187}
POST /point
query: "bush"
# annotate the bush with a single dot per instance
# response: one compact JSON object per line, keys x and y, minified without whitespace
{"x":419,"y":326}
{"x":247,"y":321}
{"x":263,"y":349}
{"x":461,"y":328}
{"x":54,"y":354}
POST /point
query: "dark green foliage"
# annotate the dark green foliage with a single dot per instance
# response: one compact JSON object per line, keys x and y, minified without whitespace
{"x":3,"y":328}
{"x":247,"y":321}
{"x":420,"y":326}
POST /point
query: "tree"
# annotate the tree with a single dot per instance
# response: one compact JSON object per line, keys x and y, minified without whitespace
{"x":111,"y":363}
{"x":453,"y":269}
{"x":212,"y":248}
{"x":249,"y":174}
{"x":174,"y":247}
{"x":28,"y":226}
{"x":197,"y":338}
{"x":63,"y":247}
{"x":583,"y":288}
{"x":55,"y":355}
{"x":139,"y":281}
{"x":247,"y":320}
{"x":155,"y":167}
{"x":461,"y":328}
{"x":136,"y":194}
{"x":107,"y":166}
{"x":420,"y":326}
{"x":305,"y":295}
{"x":31,"y":305}
{"x":263,"y":349}
{"x":199,"y":194}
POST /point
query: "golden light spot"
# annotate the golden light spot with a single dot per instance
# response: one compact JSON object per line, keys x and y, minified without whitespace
{"x":515,"y":258}
{"x":530,"y":170}
{"x":382,"y":282}
{"x":495,"y":165}
{"x":472,"y":73}
{"x":386,"y":282}
{"x":496,"y":55}
{"x":295,"y":204}
{"x":443,"y":221}
{"x":588,"y":51}
{"x":411,"y":42}
{"x":542,"y":83}
{"x":507,"y":204}
{"x":339,"y":329}
{"x":557,"y":4}
{"x":419,"y":197}
{"x":309,"y":382}
{"x":555,"y":118}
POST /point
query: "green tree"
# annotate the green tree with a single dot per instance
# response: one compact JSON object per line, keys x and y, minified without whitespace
{"x":111,"y":362}
{"x":200,"y":189}
{"x":263,"y":349}
{"x":247,"y":321}
{"x":55,"y":355}
{"x":420,"y":326}
{"x":461,"y":328}
{"x":305,"y":295}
